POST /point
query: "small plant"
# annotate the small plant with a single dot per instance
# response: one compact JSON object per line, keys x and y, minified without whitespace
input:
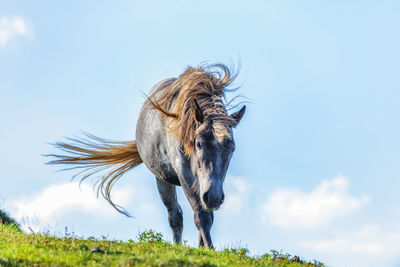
{"x":150,"y":236}
{"x":241,"y":252}
{"x":83,"y":247}
{"x":68,"y":234}
{"x":278,"y":257}
{"x":7,"y":220}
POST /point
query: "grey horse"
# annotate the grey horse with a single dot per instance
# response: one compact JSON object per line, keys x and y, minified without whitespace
{"x":184,"y":137}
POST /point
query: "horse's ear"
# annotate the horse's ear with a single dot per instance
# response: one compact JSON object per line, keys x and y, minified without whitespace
{"x":237,"y":116}
{"x":198,"y":114}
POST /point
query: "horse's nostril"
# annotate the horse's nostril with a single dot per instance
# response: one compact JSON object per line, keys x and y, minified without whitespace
{"x":205,"y":197}
{"x":222,"y":199}
{"x":212,"y":201}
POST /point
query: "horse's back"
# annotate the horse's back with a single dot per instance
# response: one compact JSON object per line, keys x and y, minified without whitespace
{"x":152,"y":141}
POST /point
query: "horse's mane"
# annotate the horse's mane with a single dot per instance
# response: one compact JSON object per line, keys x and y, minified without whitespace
{"x":206,"y":85}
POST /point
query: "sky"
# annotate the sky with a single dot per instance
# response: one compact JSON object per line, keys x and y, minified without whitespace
{"x":316,"y":168}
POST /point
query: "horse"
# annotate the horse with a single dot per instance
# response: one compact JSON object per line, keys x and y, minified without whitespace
{"x":184,"y":137}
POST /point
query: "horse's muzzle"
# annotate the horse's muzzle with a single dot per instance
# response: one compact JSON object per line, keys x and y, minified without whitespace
{"x":213,"y":201}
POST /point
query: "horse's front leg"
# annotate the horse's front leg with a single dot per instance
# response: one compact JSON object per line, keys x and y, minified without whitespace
{"x":204,"y":220}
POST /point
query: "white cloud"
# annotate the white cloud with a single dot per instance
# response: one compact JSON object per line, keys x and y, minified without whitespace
{"x":367,"y":246}
{"x":12,"y":27}
{"x":56,"y":200}
{"x":236,"y":195}
{"x":294,"y":209}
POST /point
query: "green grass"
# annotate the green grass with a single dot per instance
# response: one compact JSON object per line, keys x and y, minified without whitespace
{"x":6,"y":219}
{"x":20,"y":249}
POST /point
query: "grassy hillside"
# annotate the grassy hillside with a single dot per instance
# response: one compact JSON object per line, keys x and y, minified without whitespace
{"x":20,"y":249}
{"x":6,"y":219}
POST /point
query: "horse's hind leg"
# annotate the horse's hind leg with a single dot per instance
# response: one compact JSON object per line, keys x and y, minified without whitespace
{"x":168,"y":196}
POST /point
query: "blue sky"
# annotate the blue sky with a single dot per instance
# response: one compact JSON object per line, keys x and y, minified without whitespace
{"x":316,"y":170}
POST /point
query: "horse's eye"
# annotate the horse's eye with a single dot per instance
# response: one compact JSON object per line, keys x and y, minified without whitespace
{"x":198,"y":144}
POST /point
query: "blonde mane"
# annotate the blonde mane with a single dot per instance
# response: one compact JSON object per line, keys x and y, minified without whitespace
{"x":206,"y":85}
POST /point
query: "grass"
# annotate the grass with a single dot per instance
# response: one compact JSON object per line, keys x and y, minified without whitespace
{"x":20,"y":249}
{"x":6,"y":219}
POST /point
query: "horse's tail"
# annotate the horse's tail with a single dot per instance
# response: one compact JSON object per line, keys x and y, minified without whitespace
{"x":93,"y":154}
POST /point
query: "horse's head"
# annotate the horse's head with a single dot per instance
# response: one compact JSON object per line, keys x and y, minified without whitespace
{"x":213,"y":149}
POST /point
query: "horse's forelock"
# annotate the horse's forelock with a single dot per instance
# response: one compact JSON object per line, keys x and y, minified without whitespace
{"x":205,"y":84}
{"x":221,"y":131}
